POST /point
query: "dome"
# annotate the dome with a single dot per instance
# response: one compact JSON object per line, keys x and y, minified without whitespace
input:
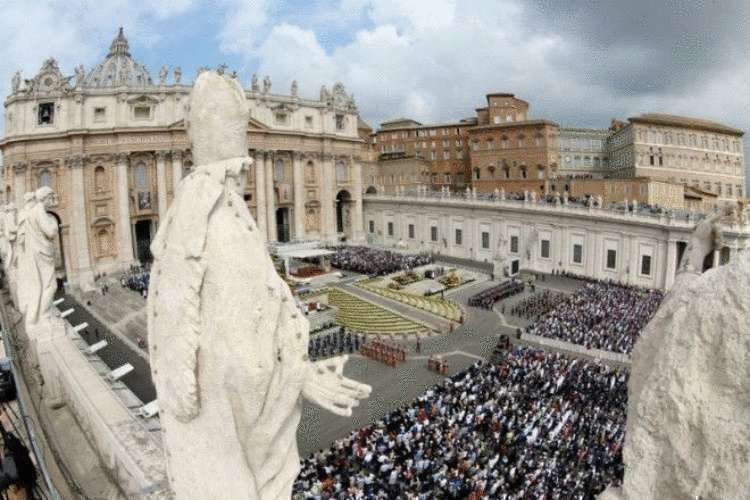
{"x":118,"y":68}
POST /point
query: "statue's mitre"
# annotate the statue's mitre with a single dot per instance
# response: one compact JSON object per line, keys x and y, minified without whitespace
{"x":217,"y":118}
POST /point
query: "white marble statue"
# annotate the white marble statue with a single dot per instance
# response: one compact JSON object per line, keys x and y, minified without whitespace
{"x":295,"y":88}
{"x":15,"y":83}
{"x":266,"y":84}
{"x":688,"y":421}
{"x":10,"y":228}
{"x":178,"y":76}
{"x":163,"y":73}
{"x":254,"y":85}
{"x":228,"y":346}
{"x":37,"y":259}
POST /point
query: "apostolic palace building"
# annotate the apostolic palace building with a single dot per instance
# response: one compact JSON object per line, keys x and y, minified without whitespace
{"x":111,"y":143}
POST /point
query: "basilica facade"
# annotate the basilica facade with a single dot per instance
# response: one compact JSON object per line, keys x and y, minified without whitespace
{"x":111,"y":142}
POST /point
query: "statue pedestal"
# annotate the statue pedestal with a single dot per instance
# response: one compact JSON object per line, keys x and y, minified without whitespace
{"x":41,"y":338}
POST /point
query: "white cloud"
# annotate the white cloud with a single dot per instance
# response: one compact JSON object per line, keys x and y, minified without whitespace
{"x":243,"y":20}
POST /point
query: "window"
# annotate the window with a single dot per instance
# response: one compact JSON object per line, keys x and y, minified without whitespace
{"x":485,"y":240}
{"x":45,"y":179}
{"x":496,"y":119}
{"x":142,"y":112}
{"x":340,"y":123}
{"x":390,"y":229}
{"x":278,"y":171}
{"x":100,"y":179}
{"x":372,"y":226}
{"x":100,"y":114}
{"x":514,"y":244}
{"x":46,"y":113}
{"x":477,"y":174}
{"x":309,"y":123}
{"x":411,"y":231}
{"x":475,"y":146}
{"x":611,"y":259}
{"x":432,"y":133}
{"x":577,"y":253}
{"x":433,"y":233}
{"x":342,"y":173}
{"x":545,"y":249}
{"x":140,"y":176}
{"x":459,"y":236}
{"x":281,"y":118}
{"x":446,"y":155}
{"x":433,"y":155}
{"x":646,"y":265}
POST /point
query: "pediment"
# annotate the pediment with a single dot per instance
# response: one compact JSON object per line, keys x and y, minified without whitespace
{"x":252,"y":124}
{"x":143,"y":99}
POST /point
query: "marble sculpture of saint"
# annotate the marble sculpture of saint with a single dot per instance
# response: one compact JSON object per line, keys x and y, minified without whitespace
{"x":228,"y":346}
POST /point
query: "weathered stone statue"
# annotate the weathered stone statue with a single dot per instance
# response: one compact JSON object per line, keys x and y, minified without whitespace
{"x":266,"y":84}
{"x":228,"y":346}
{"x":163,"y":73}
{"x":15,"y":82}
{"x":254,"y":86}
{"x":688,"y":428}
{"x":295,"y":88}
{"x":37,"y":260}
{"x":10,"y":228}
{"x":178,"y":75}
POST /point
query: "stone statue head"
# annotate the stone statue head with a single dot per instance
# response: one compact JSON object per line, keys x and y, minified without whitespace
{"x":217,"y":120}
{"x":45,"y":196}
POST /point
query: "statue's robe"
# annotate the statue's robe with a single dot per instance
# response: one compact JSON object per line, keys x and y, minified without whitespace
{"x":37,"y":264}
{"x":688,"y":427}
{"x":228,"y":348}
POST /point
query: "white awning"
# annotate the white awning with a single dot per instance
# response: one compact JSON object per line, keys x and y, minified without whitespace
{"x":306,"y":253}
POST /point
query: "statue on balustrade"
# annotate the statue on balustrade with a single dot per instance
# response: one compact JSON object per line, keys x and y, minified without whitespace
{"x":688,"y":400}
{"x":228,"y":345}
{"x":38,"y":233}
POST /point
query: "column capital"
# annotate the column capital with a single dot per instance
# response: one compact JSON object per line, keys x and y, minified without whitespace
{"x":122,"y":157}
{"x":19,"y":166}
{"x":260,"y":152}
{"x":326,"y":156}
{"x":176,"y":154}
{"x":311,"y":155}
{"x":162,"y":155}
{"x":76,"y":161}
{"x":298,"y":155}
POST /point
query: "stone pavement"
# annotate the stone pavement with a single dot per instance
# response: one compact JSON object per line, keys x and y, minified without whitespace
{"x":392,"y":387}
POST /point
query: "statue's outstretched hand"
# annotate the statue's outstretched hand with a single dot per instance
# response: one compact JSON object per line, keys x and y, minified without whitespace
{"x":327,"y":387}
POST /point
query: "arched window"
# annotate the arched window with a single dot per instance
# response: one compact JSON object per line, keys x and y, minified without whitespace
{"x":100,"y":179}
{"x":103,"y":242}
{"x":45,"y":178}
{"x":342,"y":173}
{"x":140,"y":176}
{"x":278,"y":170}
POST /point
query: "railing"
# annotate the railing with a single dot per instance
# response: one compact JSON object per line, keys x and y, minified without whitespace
{"x":492,"y":200}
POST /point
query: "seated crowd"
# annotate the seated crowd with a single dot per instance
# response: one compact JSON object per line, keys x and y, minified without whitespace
{"x":327,"y":345}
{"x":137,"y":279}
{"x":535,"y":425}
{"x":487,"y":298}
{"x":531,"y":308}
{"x":600,"y":315}
{"x":376,"y":262}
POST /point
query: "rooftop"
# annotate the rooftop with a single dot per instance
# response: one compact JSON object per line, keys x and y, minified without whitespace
{"x":684,"y":121}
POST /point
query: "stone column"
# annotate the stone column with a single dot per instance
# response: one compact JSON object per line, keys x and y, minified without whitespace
{"x":83,"y":276}
{"x":19,"y":183}
{"x":298,"y":168}
{"x":176,"y":171}
{"x":327,"y":208}
{"x":270,"y":198}
{"x":260,"y":191}
{"x":671,"y":267}
{"x":124,"y":234}
{"x":717,"y":259}
{"x":161,"y":184}
{"x":357,"y":221}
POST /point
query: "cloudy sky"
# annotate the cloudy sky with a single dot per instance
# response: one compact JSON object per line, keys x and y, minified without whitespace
{"x":578,"y":62}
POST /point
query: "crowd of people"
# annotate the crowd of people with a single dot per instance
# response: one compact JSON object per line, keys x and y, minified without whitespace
{"x":327,"y":345}
{"x":600,"y":315}
{"x":376,"y":262}
{"x":486,"y":298}
{"x":137,"y":279}
{"x":535,"y":425}
{"x":534,"y":306}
